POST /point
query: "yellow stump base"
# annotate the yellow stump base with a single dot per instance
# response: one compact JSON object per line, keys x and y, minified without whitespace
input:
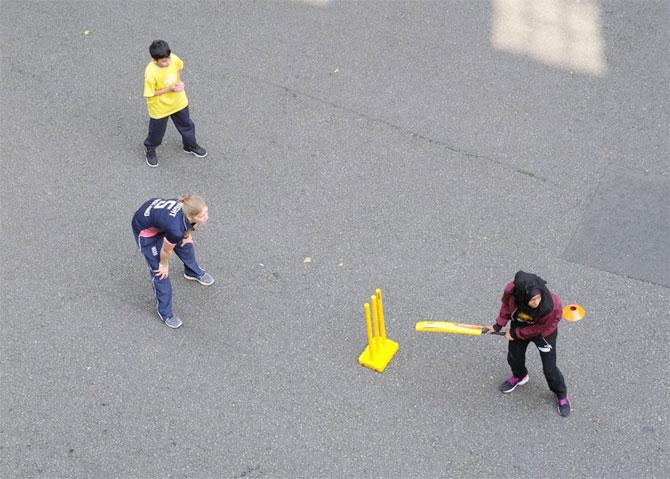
{"x":382,"y":356}
{"x":380,"y":349}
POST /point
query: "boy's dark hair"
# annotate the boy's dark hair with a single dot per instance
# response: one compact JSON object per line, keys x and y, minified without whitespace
{"x":159,"y":49}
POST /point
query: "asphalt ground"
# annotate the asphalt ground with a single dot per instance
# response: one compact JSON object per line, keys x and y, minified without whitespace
{"x":394,"y":145}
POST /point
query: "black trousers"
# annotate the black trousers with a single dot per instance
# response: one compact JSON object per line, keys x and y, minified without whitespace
{"x":516,"y":357}
{"x":181,"y":120}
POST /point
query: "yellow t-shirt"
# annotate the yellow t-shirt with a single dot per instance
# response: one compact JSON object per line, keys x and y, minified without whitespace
{"x":157,"y":78}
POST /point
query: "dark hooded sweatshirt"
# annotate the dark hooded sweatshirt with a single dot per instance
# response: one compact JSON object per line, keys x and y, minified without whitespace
{"x":529,"y":323}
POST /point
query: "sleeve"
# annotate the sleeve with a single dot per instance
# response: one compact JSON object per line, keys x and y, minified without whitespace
{"x":172,"y":236}
{"x":506,"y":307}
{"x":178,"y":62}
{"x":149,"y":85}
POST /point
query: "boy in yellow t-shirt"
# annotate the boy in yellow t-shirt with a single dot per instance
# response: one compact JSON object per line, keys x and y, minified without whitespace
{"x":166,"y":98}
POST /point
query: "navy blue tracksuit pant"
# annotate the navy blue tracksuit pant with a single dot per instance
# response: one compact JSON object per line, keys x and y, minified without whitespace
{"x":151,"y":249}
{"x":181,"y":119}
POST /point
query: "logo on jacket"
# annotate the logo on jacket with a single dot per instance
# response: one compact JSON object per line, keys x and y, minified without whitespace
{"x":519,"y":315}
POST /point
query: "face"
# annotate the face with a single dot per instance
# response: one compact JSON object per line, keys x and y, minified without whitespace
{"x":535,"y":301}
{"x":163,"y":62}
{"x":202,"y":218}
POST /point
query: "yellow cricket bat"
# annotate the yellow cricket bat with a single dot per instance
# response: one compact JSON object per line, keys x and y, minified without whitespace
{"x":453,"y":328}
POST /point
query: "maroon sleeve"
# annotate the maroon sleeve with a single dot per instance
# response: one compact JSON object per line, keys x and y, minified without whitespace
{"x":544,"y":325}
{"x":508,"y":305}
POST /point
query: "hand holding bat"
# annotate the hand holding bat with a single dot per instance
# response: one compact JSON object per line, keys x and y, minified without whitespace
{"x":572,"y":312}
{"x":503,"y":332}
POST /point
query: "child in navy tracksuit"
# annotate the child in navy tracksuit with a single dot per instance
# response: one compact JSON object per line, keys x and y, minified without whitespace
{"x":161,"y":226}
{"x":535,"y":313}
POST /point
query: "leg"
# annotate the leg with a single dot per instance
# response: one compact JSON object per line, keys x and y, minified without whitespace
{"x":547,"y":348}
{"x":516,"y":357}
{"x":156,"y":132}
{"x":186,"y":254}
{"x":182,"y":121}
{"x":150,"y":248}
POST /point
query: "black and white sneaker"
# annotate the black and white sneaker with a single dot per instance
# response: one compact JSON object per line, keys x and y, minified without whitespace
{"x":152,"y":159}
{"x":206,"y":279}
{"x":173,"y":322}
{"x":511,"y":384}
{"x":563,"y":406}
{"x":197,"y":150}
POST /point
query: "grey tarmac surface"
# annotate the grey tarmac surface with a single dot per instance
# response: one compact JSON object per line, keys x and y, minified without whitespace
{"x":397,"y":145}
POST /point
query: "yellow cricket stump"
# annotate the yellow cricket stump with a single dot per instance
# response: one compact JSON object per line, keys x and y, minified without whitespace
{"x":380,"y":349}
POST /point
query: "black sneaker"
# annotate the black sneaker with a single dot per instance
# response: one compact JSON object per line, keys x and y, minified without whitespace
{"x":563,"y":405}
{"x":206,"y":279}
{"x":152,"y":159}
{"x":511,"y":384}
{"x":197,"y":150}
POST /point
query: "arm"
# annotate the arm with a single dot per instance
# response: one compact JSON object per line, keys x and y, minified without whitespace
{"x":507,"y":307}
{"x":545,"y":326}
{"x":176,"y":86}
{"x":188,"y":238}
{"x":164,"y":265}
{"x":149,"y":85}
{"x":540,"y":329}
{"x":179,"y":86}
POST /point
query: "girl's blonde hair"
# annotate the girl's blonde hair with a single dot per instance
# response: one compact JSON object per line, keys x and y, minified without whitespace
{"x":193,"y":205}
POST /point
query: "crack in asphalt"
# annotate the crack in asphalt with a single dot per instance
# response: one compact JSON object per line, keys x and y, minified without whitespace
{"x":401,"y":129}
